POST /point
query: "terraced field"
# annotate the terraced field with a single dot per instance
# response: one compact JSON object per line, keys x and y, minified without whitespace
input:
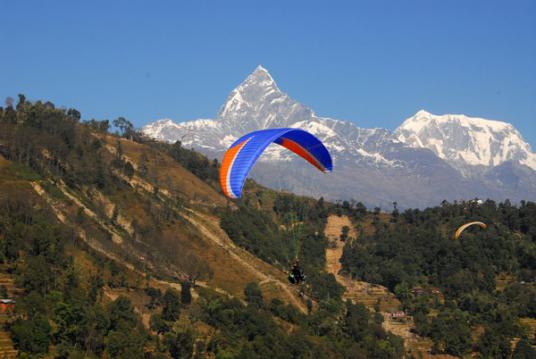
{"x":367,"y":293}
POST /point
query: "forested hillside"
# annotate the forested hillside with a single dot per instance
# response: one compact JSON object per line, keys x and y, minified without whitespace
{"x":114,"y":246}
{"x":120,"y":246}
{"x":475,"y":293}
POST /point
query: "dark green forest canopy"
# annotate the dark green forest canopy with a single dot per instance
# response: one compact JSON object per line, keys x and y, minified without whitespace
{"x":414,"y":255}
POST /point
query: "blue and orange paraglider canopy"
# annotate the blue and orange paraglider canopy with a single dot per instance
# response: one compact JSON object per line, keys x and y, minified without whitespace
{"x":242,"y":155}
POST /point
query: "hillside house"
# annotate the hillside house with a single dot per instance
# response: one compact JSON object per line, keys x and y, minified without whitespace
{"x":7,"y":305}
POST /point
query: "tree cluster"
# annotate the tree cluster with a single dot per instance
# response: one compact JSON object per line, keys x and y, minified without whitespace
{"x":415,"y":256}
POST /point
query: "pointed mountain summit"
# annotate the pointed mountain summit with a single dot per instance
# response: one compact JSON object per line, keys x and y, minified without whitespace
{"x":258,"y":103}
{"x":261,"y":75}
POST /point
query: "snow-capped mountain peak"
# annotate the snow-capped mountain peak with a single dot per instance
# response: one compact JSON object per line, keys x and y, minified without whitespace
{"x":260,"y":73}
{"x":155,"y":129}
{"x":255,"y":88}
{"x":259,"y":103}
{"x":422,"y":112}
{"x":466,"y":141}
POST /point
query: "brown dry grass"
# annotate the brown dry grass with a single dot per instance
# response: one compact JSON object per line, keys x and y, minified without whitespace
{"x":334,"y":227}
{"x":502,"y":280}
{"x":530,"y":325}
{"x":198,"y":232}
{"x":167,"y":172}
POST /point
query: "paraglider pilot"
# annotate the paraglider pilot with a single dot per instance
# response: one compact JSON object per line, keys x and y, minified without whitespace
{"x":296,"y":275}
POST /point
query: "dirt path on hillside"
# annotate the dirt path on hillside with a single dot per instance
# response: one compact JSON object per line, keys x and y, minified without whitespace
{"x":270,"y":278}
{"x":266,"y":274}
{"x":367,"y":293}
{"x":357,"y":291}
{"x":63,"y":219}
{"x":207,"y":225}
{"x":99,"y":249}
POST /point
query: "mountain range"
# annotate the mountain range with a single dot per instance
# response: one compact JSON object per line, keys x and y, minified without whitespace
{"x":426,"y":160}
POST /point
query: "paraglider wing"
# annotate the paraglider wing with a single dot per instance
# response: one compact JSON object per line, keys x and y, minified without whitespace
{"x":242,"y":155}
{"x":465,"y":226}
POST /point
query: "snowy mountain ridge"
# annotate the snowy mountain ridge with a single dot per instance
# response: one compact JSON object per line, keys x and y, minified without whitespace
{"x":433,"y":157}
{"x":258,"y":103}
{"x":466,"y":141}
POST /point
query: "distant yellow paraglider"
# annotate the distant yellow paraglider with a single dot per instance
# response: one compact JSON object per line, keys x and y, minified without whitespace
{"x":463,"y":227}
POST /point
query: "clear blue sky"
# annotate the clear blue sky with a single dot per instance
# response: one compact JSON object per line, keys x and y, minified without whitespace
{"x":372,"y":62}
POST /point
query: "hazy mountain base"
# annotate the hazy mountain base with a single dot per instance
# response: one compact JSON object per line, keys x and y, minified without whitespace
{"x":352,"y":180}
{"x":408,"y":186}
{"x":355,"y":182}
